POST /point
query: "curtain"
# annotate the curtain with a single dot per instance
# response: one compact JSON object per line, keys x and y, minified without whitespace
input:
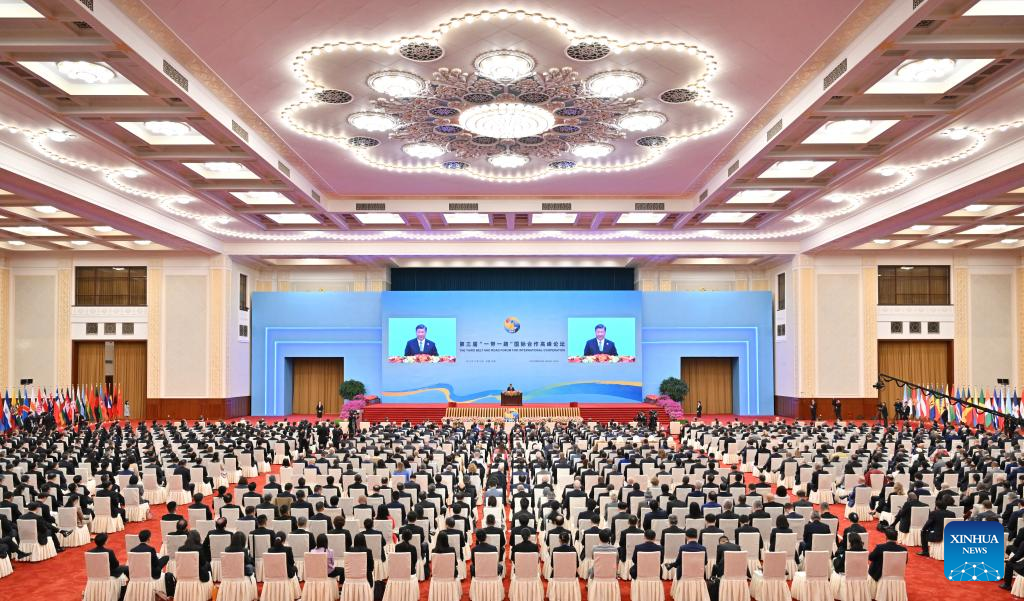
{"x":710,"y":380}
{"x":317,"y":379}
{"x":924,"y":362}
{"x":89,"y":358}
{"x":130,"y":375}
{"x":547,"y":278}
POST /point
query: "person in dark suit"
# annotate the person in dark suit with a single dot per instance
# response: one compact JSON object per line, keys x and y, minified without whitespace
{"x":877,"y":555}
{"x":277,"y":546}
{"x":510,"y":388}
{"x":700,"y":409}
{"x":837,"y":408}
{"x":691,"y":546}
{"x":723,"y":546}
{"x":319,"y":409}
{"x":116,"y":569}
{"x":526,"y":545}
{"x":156,"y":562}
{"x":647,"y":545}
{"x":405,"y":546}
{"x":420,"y":345}
{"x":883,"y":412}
{"x":813,"y":527}
{"x":194,"y":543}
{"x":599,"y":345}
{"x":933,"y":529}
{"x":814,"y":410}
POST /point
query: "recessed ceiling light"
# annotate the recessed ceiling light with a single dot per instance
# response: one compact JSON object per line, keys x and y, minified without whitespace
{"x":262,"y":197}
{"x":168,"y":128}
{"x":927,"y":76}
{"x":944,"y":241}
{"x":728,"y":218}
{"x":16,"y":242}
{"x":614,"y":84}
{"x":996,"y":8}
{"x":920,"y":228}
{"x":641,"y":218}
{"x":372,"y":121}
{"x":58,"y":135}
{"x":592,"y":150}
{"x":103,"y":229}
{"x":795,"y":169}
{"x":143,"y":242}
{"x":85,"y":71}
{"x":642,"y":121}
{"x":380,"y":218}
{"x":292,"y":218}
{"x":988,"y":229}
{"x":32,"y":230}
{"x":222,"y":170}
{"x":977,"y":208}
{"x":166,"y":133}
{"x":553,"y":218}
{"x":504,"y":120}
{"x":397,"y":84}
{"x":757,"y":196}
{"x":1009,"y":241}
{"x":81,"y":242}
{"x":907,"y":268}
{"x":881,"y":240}
{"x":16,"y":9}
{"x":45,"y":209}
{"x":423,"y":150}
{"x":508,"y":160}
{"x":504,"y":66}
{"x":956,"y":133}
{"x":467,"y":218}
{"x":849,"y":131}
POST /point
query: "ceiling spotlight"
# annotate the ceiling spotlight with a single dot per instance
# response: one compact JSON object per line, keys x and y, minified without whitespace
{"x":103,"y":229}
{"x":614,"y":84}
{"x":168,"y":129}
{"x":223,"y":167}
{"x":143,"y":242}
{"x":504,"y":66}
{"x":423,"y":150}
{"x":944,"y":241}
{"x":16,"y":242}
{"x":397,"y":84}
{"x":926,"y":70}
{"x":371,"y":121}
{"x":920,"y":228}
{"x":508,"y":160}
{"x":887,"y":171}
{"x":642,"y":121}
{"x":957,"y":133}
{"x":85,"y":71}
{"x":507,"y":120}
{"x":977,"y":208}
{"x":592,"y":150}
{"x":881,"y":240}
{"x":56,"y":135}
{"x":130,"y":173}
{"x":80,"y":242}
{"x":45,"y":209}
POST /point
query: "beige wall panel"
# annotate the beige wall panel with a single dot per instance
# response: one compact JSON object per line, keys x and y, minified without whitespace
{"x":185,"y":352}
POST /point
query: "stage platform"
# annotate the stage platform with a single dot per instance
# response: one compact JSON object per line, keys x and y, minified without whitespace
{"x":593,"y":412}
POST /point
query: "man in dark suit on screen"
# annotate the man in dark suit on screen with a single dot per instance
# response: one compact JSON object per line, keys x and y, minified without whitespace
{"x":599,"y":345}
{"x":420,"y":345}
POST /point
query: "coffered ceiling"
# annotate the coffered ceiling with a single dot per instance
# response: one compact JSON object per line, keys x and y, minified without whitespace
{"x":610,"y":129}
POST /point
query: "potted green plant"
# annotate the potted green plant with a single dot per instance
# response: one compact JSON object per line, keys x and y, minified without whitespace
{"x":674,"y":388}
{"x":351,"y":389}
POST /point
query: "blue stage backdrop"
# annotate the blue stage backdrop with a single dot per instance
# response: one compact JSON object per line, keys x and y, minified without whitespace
{"x":544,"y":343}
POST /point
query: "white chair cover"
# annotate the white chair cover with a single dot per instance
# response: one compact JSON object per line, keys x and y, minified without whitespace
{"x":104,"y":521}
{"x":813,"y":584}
{"x":855,"y":584}
{"x":604,"y":586}
{"x":402,"y":583}
{"x":234,"y":584}
{"x":189,"y":587}
{"x":6,"y":567}
{"x":734,"y":586}
{"x":1017,"y":590}
{"x":893,"y":584}
{"x":444,"y":586}
{"x":29,"y":537}
{"x":99,"y":584}
{"x":67,"y":519}
{"x":486,"y":584}
{"x":564,"y":585}
{"x":691,"y":585}
{"x":318,"y":586}
{"x":356,"y":588}
{"x":141,"y":586}
{"x":525,"y":584}
{"x":647,"y":585}
{"x":276,"y":584}
{"x":769,"y":583}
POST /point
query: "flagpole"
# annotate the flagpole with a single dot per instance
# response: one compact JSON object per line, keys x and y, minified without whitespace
{"x":885,"y":378}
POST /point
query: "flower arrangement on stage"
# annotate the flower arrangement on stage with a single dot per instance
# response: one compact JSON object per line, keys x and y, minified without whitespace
{"x":671,"y":407}
{"x":356,"y":403}
{"x":602,"y":358}
{"x":422,"y":358}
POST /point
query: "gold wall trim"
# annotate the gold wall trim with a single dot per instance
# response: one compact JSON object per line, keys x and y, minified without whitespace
{"x":62,"y":331}
{"x":154,"y":341}
{"x":961,"y":326}
{"x":869,"y":311}
{"x":217,"y":343}
{"x":806,"y":315}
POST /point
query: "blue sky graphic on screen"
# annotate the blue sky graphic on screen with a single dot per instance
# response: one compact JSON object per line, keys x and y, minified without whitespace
{"x":973,"y":551}
{"x":616,"y":339}
{"x":407,"y":339}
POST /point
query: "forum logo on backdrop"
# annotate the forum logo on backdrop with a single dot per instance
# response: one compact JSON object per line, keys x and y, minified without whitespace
{"x":973,"y":551}
{"x":511,"y":325}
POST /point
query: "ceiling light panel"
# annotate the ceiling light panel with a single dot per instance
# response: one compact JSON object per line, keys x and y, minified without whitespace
{"x":728,"y":218}
{"x":380,"y":218}
{"x":996,"y":8}
{"x":16,"y":9}
{"x":32,"y":230}
{"x":222,"y":170}
{"x":262,"y":197}
{"x":795,"y":169}
{"x":166,"y":133}
{"x":928,"y":76}
{"x":292,"y":218}
{"x":757,"y":196}
{"x":987,"y":229}
{"x":553,"y":218}
{"x":467,"y":218}
{"x":849,"y":131}
{"x":641,"y":218}
{"x":84,"y":78}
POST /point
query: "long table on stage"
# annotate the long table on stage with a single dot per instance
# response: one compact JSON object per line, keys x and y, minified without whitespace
{"x":511,"y":398}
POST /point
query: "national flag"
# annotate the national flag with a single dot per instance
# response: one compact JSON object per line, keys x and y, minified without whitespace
{"x":6,"y":419}
{"x":968,"y":411}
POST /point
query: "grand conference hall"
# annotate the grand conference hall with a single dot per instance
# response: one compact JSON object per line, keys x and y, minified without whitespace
{"x":456,"y":301}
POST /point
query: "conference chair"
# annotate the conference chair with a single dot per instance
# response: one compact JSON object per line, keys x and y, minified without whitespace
{"x":402,"y":583}
{"x":861,"y":503}
{"x":190,"y":587}
{"x":356,"y":587}
{"x":751,"y":543}
{"x":647,"y":585}
{"x":812,"y":584}
{"x":99,"y":584}
{"x":855,"y":584}
{"x":277,"y":586}
{"x":218,"y":542}
{"x":487,"y":585}
{"x":769,"y":582}
{"x":824,"y":493}
{"x":152,"y":492}
{"x":141,"y":584}
{"x":104,"y":520}
{"x":603,"y":585}
{"x":318,"y":586}
{"x":176,"y":491}
{"x":936,"y":551}
{"x":300,"y":547}
{"x":28,"y":534}
{"x":67,"y":519}
{"x":893,"y":584}
{"x":691,"y":585}
{"x":444,"y":585}
{"x":7,"y":567}
{"x":135,"y":510}
{"x":918,"y":517}
{"x":564,"y":585}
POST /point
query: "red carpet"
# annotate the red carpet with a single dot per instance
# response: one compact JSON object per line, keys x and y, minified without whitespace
{"x":63,"y":578}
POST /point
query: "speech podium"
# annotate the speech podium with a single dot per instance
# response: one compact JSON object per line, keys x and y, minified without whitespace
{"x":511,"y":398}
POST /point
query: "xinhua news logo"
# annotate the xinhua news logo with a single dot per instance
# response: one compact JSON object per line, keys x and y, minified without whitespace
{"x":973,"y":551}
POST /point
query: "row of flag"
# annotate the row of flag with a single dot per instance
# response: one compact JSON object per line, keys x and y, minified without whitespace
{"x":924,"y":405}
{"x":68,"y":406}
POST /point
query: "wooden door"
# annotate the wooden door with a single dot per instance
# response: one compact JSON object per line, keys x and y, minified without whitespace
{"x":710,"y":380}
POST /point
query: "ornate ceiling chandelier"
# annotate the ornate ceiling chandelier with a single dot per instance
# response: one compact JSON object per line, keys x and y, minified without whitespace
{"x":507,"y":118}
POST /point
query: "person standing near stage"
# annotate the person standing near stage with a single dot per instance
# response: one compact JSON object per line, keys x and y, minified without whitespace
{"x":353,"y":420}
{"x":700,"y":409}
{"x":319,"y":409}
{"x":837,"y":408}
{"x":883,"y":412}
{"x":814,"y":410}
